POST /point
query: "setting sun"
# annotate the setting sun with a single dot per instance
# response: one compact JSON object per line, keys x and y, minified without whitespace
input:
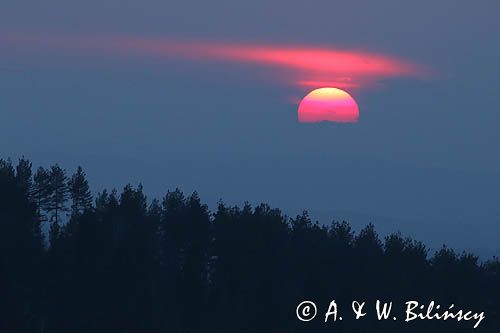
{"x":328,"y":104}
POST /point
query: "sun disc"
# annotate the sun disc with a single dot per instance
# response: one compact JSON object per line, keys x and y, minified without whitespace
{"x":328,"y":104}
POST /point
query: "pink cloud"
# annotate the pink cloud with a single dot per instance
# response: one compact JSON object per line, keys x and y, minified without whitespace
{"x":298,"y":65}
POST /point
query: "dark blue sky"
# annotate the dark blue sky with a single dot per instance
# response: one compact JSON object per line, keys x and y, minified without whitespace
{"x":423,"y":159}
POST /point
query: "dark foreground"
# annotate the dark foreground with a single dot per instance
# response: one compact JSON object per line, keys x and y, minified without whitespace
{"x":122,"y":263}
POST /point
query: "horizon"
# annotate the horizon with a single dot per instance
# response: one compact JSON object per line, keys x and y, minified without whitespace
{"x":384,"y":225}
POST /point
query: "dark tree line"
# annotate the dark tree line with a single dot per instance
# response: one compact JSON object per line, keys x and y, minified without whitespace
{"x":122,"y":263}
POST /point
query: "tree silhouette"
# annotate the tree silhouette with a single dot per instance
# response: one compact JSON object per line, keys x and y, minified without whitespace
{"x":58,"y":193}
{"x":24,"y":176}
{"x":41,"y":191}
{"x":80,"y":192}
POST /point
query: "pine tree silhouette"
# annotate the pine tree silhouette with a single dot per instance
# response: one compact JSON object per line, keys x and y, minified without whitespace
{"x":80,"y":192}
{"x":41,"y":192}
{"x":58,"y":193}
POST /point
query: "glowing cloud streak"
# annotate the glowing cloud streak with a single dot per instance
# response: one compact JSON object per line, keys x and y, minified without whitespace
{"x":298,"y":65}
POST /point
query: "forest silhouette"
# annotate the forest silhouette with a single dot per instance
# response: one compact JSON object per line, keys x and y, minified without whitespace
{"x":119,"y":262}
